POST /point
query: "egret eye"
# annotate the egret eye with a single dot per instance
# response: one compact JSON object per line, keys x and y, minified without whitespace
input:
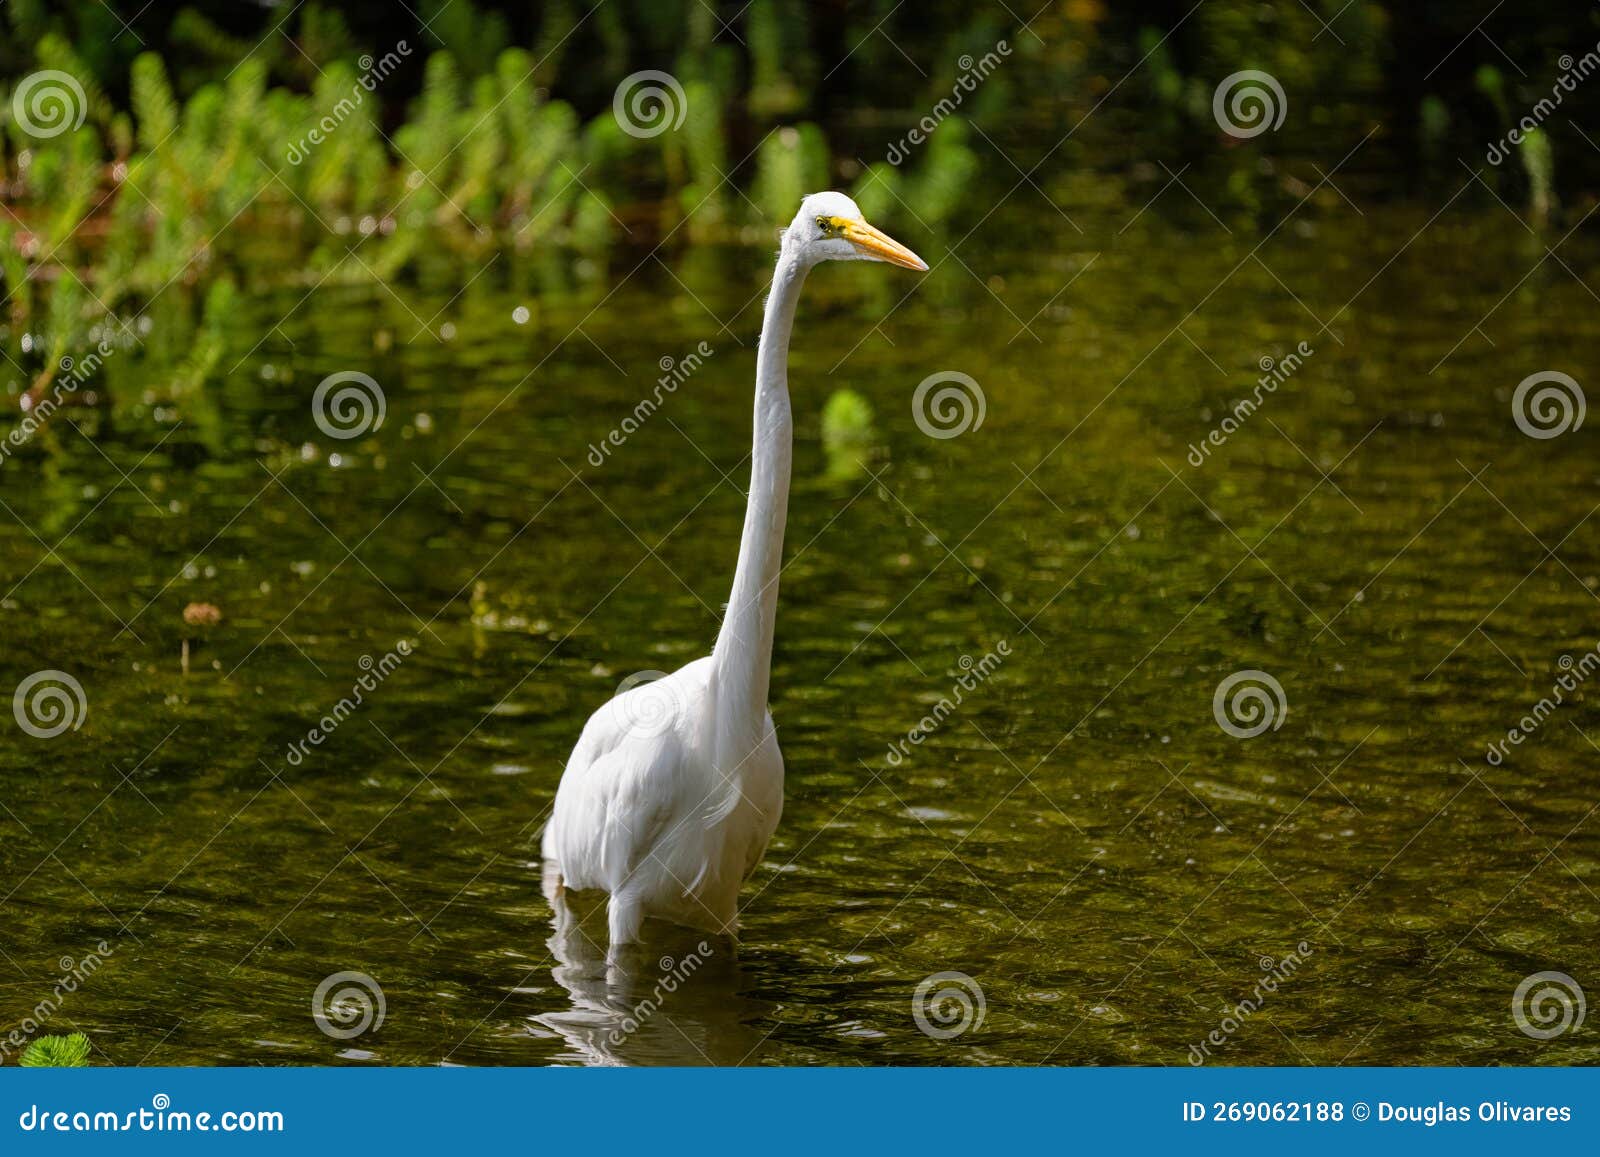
{"x":824,"y":224}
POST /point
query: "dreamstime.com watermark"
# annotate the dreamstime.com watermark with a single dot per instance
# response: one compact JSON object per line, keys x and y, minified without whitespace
{"x":947,"y":404}
{"x":673,"y":974}
{"x":48,"y":703}
{"x":347,"y":1004}
{"x":973,"y":73}
{"x":1276,"y":974}
{"x":649,"y":103}
{"x":975,"y":672}
{"x":373,"y":73}
{"x":1574,"y":673}
{"x":1548,"y":404}
{"x":48,"y":103}
{"x":72,"y":374}
{"x":1547,"y":1004}
{"x":348,"y":404}
{"x":160,"y":1117}
{"x":674,"y":372}
{"x":948,"y":1004}
{"x":654,"y":710}
{"x":374,"y":672}
{"x":1248,"y":103}
{"x":1573,"y":72}
{"x":1247,"y":703}
{"x":73,"y":973}
{"x":1274,"y":374}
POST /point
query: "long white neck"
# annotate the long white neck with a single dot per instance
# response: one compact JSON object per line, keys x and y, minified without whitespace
{"x":742,"y":659}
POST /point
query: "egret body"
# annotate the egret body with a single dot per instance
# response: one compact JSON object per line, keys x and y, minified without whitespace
{"x":674,"y":789}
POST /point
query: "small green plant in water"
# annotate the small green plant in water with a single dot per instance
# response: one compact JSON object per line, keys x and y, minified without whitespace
{"x":1492,"y":87}
{"x":56,"y":1052}
{"x":790,"y":163}
{"x":1539,"y":166}
{"x":846,"y":433}
{"x":1433,"y":129}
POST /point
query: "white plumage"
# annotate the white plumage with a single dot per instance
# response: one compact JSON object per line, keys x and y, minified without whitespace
{"x":675,"y":787}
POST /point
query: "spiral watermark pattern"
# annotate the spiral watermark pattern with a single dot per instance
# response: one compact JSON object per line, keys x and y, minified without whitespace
{"x":1548,"y":404}
{"x":1547,"y":1004}
{"x":948,"y":1004}
{"x":48,"y":703}
{"x":948,"y":404}
{"x":347,"y":1004}
{"x":1258,"y":704}
{"x":649,"y":103}
{"x":356,"y":409}
{"x":652,"y":709}
{"x":1248,"y":103}
{"x":49,"y":103}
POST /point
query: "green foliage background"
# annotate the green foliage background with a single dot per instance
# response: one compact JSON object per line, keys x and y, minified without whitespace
{"x":492,"y":130}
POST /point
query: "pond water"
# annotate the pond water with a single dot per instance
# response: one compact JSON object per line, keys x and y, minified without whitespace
{"x":1113,"y":869}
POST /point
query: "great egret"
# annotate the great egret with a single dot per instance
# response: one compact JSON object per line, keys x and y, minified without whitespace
{"x":675,"y":786}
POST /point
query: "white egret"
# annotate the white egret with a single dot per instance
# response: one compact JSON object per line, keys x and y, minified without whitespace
{"x":675,"y":786}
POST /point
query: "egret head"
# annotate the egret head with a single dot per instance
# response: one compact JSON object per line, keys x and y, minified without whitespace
{"x":829,"y":227}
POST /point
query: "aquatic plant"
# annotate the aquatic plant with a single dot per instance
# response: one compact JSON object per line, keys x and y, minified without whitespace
{"x":938,"y":188}
{"x":1491,"y":86}
{"x":847,"y":433}
{"x":1433,"y":129}
{"x":877,"y":190}
{"x":479,"y":134}
{"x":773,"y":33}
{"x":473,"y":37}
{"x":1538,"y":165}
{"x":791,"y":162}
{"x":56,"y":1052}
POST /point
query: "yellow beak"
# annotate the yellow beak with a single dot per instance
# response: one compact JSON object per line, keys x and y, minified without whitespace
{"x":878,"y":244}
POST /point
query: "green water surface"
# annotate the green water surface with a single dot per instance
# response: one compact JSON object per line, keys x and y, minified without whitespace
{"x":1113,"y":870}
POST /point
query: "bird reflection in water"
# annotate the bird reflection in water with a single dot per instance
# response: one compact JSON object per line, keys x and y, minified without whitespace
{"x":675,"y":1000}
